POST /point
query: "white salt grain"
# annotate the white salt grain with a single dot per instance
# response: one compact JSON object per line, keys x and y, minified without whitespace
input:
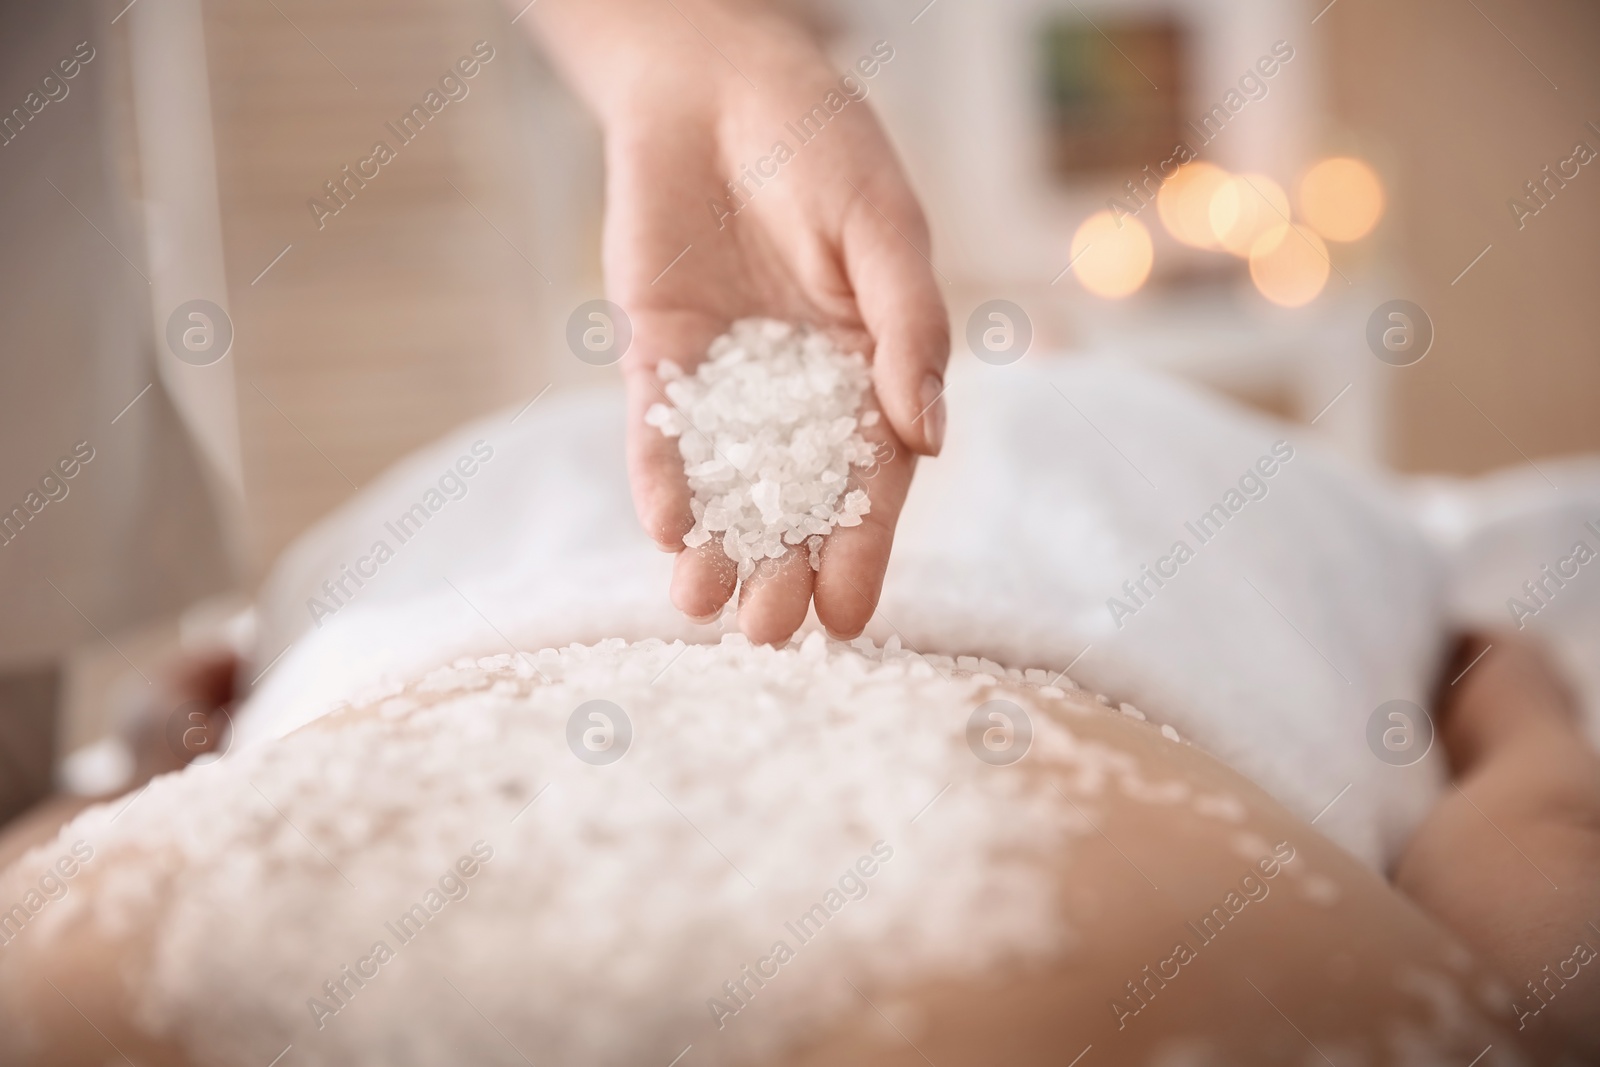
{"x":601,"y":901}
{"x":769,"y":429}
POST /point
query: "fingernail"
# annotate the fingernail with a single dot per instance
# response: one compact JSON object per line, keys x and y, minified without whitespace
{"x":933,"y":412}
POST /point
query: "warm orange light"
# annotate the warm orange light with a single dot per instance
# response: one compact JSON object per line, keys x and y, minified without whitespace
{"x":1289,"y":265}
{"x":1341,"y":198}
{"x":1184,"y":203}
{"x":1245,"y":208}
{"x":1112,"y":258}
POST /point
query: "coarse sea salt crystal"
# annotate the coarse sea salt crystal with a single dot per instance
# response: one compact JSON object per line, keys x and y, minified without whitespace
{"x":603,"y":884}
{"x":769,"y":430}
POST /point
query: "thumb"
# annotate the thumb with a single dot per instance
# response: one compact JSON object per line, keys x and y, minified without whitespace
{"x":903,"y":310}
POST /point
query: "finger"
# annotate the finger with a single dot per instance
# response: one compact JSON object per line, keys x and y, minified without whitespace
{"x":774,"y":601}
{"x":903,"y":309}
{"x":655,"y":469}
{"x":655,"y":466}
{"x":856,"y":558}
{"x":702,"y":580}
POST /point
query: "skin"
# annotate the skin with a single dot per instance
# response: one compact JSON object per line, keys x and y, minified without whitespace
{"x":836,"y":240}
{"x":1526,"y":808}
{"x":1288,"y":977}
{"x":1315,"y":964}
{"x":185,"y":715}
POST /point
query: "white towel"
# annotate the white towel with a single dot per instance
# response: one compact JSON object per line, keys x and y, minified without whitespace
{"x":1271,"y":647}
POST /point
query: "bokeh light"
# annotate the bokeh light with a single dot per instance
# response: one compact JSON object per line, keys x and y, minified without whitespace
{"x":1341,"y":198}
{"x":1112,"y":259}
{"x":1184,"y":203}
{"x":1245,"y":208}
{"x":1289,"y":265}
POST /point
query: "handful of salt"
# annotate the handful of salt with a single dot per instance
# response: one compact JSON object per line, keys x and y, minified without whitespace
{"x":769,"y":428}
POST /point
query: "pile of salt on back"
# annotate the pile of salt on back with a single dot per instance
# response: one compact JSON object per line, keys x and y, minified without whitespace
{"x":769,"y":429}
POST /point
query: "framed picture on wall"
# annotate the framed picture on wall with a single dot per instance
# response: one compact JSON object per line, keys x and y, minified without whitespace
{"x":1113,"y":89}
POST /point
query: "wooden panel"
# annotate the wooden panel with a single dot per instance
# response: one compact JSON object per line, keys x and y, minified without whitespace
{"x":1467,"y":110}
{"x":420,"y":303}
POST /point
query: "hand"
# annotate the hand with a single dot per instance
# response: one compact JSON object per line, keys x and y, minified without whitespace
{"x":827,"y":233}
{"x":184,"y":713}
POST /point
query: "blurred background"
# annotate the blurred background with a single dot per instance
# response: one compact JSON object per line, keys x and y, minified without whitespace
{"x":1229,"y":189}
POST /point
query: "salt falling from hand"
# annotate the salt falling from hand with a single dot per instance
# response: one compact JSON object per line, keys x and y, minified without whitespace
{"x":769,"y":429}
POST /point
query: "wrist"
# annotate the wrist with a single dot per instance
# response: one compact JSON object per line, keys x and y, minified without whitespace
{"x":631,"y":59}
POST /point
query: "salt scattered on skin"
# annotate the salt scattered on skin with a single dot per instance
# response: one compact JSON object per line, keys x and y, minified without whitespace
{"x":601,"y":902}
{"x":769,"y":430}
{"x":1221,"y":806}
{"x":1320,"y":889}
